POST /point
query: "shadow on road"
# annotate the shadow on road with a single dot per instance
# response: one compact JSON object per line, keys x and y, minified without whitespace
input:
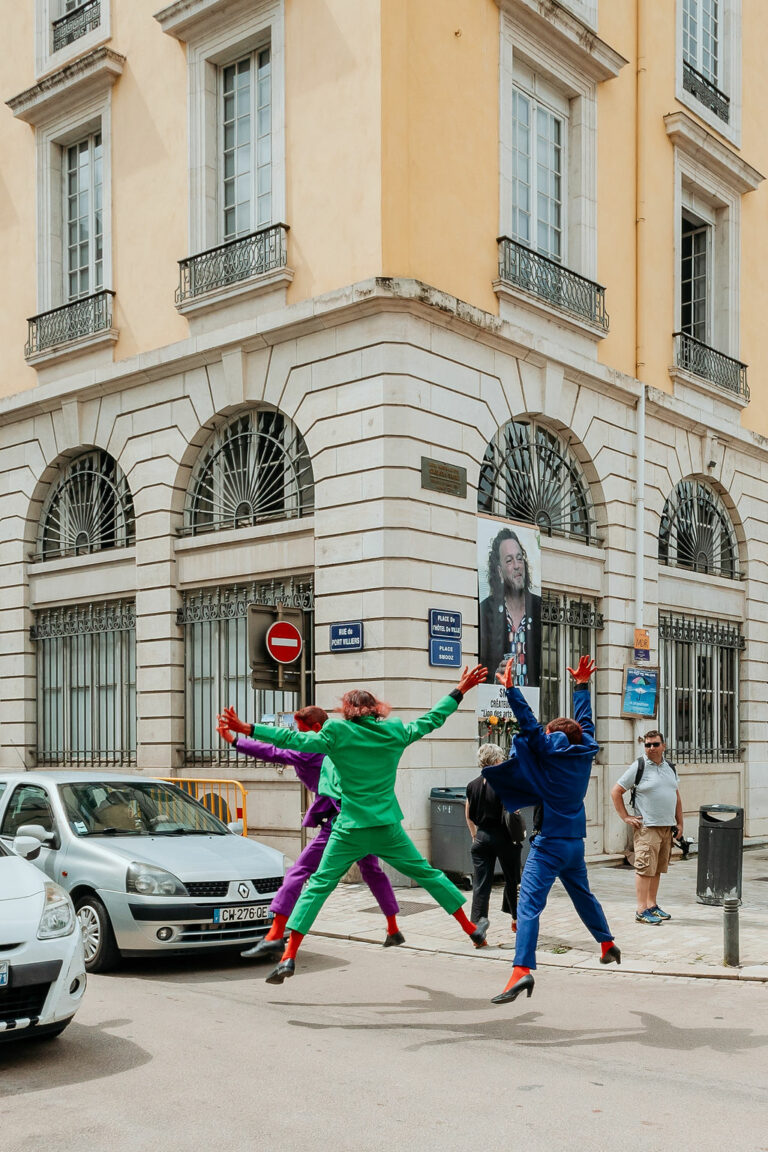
{"x":82,"y":1053}
{"x":214,"y":968}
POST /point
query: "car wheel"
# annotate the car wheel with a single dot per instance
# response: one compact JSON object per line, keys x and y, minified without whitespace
{"x":101,"y":951}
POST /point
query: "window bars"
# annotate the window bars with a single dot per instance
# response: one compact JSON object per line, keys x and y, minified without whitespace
{"x":568,"y":631}
{"x":698,"y":358}
{"x":255,"y":469}
{"x":700,"y":688}
{"x":89,"y":509}
{"x":86,"y":684}
{"x":74,"y":321}
{"x":215,"y":623}
{"x":237,"y":260}
{"x":78,"y":19}
{"x":551,"y":282}
{"x":696,"y":532}
{"x":530,"y":474}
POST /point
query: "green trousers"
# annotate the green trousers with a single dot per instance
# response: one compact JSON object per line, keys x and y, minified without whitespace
{"x":348,"y":845}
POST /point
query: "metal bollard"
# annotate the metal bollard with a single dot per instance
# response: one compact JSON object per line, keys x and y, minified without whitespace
{"x":731,"y":931}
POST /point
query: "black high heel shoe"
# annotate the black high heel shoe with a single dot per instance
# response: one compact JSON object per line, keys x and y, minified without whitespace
{"x":524,"y":984}
{"x":613,"y":955}
{"x":284,"y":968}
{"x":393,"y":939}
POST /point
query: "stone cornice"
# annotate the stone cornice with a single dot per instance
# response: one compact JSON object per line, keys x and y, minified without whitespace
{"x":695,"y":141}
{"x":701,"y":423}
{"x":186,"y":17}
{"x":95,"y":71}
{"x":567,"y":36}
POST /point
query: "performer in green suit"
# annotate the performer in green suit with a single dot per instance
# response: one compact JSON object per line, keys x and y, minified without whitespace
{"x":366,"y":748}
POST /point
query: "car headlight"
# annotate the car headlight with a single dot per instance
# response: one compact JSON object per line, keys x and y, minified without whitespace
{"x":58,"y":918}
{"x":149,"y":880}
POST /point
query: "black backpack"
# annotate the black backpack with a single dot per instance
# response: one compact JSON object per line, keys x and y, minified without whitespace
{"x":639,"y":775}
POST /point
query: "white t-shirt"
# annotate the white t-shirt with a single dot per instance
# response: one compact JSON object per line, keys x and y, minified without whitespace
{"x":656,"y":796}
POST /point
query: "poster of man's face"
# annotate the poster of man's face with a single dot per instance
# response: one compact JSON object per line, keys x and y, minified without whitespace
{"x":509,"y":593}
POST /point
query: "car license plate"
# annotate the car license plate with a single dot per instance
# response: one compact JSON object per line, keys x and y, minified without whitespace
{"x":243,"y":914}
{"x":3,"y":973}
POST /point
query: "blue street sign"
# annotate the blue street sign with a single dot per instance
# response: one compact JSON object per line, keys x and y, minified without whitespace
{"x":445,"y":653}
{"x":347,"y":637}
{"x":444,"y":625}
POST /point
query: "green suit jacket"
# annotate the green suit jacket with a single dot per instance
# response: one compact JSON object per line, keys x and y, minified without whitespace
{"x":366,"y":754}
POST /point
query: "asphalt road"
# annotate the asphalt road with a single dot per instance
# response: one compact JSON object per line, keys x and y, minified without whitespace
{"x":367,"y":1050}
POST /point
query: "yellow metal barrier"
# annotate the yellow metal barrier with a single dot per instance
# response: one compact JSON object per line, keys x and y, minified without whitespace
{"x":224,"y":798}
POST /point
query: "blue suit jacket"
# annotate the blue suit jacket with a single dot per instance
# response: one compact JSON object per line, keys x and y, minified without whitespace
{"x":548,"y":770}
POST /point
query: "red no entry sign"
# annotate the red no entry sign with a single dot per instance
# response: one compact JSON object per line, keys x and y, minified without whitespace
{"x":284,"y":642}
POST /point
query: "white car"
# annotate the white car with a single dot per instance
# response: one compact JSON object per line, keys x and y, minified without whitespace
{"x":42,"y":966}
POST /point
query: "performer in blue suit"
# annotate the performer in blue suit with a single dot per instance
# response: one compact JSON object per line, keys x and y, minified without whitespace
{"x":551,"y":767}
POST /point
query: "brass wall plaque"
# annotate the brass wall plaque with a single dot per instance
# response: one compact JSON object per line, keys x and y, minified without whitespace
{"x":438,"y":476}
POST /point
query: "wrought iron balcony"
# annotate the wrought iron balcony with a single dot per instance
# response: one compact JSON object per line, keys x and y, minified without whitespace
{"x":698,"y":358}
{"x":72,"y":25}
{"x":706,"y":92}
{"x":251,"y":255}
{"x":80,"y":318}
{"x":551,"y":282}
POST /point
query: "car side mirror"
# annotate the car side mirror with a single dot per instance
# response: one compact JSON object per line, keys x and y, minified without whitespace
{"x":236,"y":826}
{"x":37,"y":831}
{"x":27,"y":846}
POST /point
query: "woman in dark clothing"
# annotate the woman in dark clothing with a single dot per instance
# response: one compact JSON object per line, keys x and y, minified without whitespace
{"x":496,"y":835}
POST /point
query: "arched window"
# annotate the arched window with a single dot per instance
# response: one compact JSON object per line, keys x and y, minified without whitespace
{"x":530,"y":474}
{"x":256,"y":468}
{"x":696,"y":532}
{"x":89,"y":508}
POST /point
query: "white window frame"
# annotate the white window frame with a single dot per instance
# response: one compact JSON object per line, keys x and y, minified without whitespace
{"x":218,"y":32}
{"x":93,"y":260}
{"x":729,"y":71}
{"x":540,"y":95}
{"x":702,"y":216}
{"x":46,"y":11}
{"x":253,"y":112}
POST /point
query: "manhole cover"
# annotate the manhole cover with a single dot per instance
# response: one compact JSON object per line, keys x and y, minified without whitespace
{"x":407,"y":908}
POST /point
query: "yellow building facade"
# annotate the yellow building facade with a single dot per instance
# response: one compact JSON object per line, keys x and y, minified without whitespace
{"x":266,"y":257}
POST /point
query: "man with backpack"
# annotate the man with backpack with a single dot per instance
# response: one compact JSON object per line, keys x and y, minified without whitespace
{"x":658,"y":815}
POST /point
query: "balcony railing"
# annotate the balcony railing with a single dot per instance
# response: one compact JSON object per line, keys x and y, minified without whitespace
{"x":706,"y":92}
{"x":84,"y":317}
{"x":72,"y":25}
{"x":711,"y":365}
{"x":552,"y":282}
{"x":252,"y":255}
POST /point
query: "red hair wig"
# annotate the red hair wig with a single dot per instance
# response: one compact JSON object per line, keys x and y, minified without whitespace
{"x":572,"y":728}
{"x":311,"y":715}
{"x":359,"y":703}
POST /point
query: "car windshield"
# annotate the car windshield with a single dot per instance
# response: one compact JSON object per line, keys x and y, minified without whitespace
{"x":136,"y":808}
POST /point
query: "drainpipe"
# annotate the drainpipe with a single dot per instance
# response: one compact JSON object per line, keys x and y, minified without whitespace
{"x":641,"y":94}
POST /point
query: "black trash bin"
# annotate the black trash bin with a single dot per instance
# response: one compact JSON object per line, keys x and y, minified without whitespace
{"x":721,"y":835}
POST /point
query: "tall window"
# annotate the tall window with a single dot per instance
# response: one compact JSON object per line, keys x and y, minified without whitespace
{"x":695,"y":287}
{"x":701,"y":37}
{"x":530,"y":474}
{"x":568,"y":631}
{"x":696,"y":532}
{"x":89,"y":508}
{"x":256,"y":468}
{"x":86,"y":684}
{"x":246,"y":95}
{"x":700,"y":688}
{"x":538,"y":166}
{"x":215,"y":622}
{"x":84,"y":257}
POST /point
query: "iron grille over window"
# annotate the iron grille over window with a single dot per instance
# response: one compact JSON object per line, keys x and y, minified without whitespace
{"x":255,"y":469}
{"x":696,"y":532}
{"x":700,"y":688}
{"x":568,"y":631}
{"x":550,"y":281}
{"x":530,"y":474}
{"x":86,"y":684}
{"x":89,"y":509}
{"x":78,"y":19}
{"x":215,"y":623}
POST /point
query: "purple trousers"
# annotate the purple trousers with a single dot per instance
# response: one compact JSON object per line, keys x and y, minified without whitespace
{"x":308,"y":863}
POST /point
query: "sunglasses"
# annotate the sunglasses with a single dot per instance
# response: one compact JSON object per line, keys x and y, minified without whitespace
{"x":653,"y":744}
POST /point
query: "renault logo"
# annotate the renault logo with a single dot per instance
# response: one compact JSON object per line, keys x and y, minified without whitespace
{"x":243,"y":890}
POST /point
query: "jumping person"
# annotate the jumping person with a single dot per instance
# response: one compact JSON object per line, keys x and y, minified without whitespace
{"x":317,"y":773}
{"x":551,"y":766}
{"x":366,"y":748}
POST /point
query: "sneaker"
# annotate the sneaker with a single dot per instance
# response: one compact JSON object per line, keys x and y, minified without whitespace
{"x":662,"y":915}
{"x":647,"y":917}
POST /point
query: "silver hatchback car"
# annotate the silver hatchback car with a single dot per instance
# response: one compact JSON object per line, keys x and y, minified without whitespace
{"x":148,"y":868}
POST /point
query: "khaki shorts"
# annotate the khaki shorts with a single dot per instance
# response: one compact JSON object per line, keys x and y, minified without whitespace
{"x":652,"y":850}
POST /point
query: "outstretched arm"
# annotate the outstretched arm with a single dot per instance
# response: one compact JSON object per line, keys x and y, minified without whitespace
{"x":530,"y":728}
{"x":230,"y":726}
{"x":582,"y":700}
{"x":444,"y":708}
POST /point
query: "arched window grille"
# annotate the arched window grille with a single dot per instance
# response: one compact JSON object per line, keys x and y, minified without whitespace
{"x":530,"y":474}
{"x":90,"y":508}
{"x":696,"y":532}
{"x":255,"y":469}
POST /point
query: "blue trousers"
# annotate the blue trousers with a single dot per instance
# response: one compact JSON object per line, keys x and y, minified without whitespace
{"x":548,"y":859}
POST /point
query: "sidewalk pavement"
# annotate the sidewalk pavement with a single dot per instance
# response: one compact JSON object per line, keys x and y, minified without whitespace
{"x":691,"y":944}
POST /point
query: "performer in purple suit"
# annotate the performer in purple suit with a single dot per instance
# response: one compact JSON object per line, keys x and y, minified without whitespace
{"x":317,"y":773}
